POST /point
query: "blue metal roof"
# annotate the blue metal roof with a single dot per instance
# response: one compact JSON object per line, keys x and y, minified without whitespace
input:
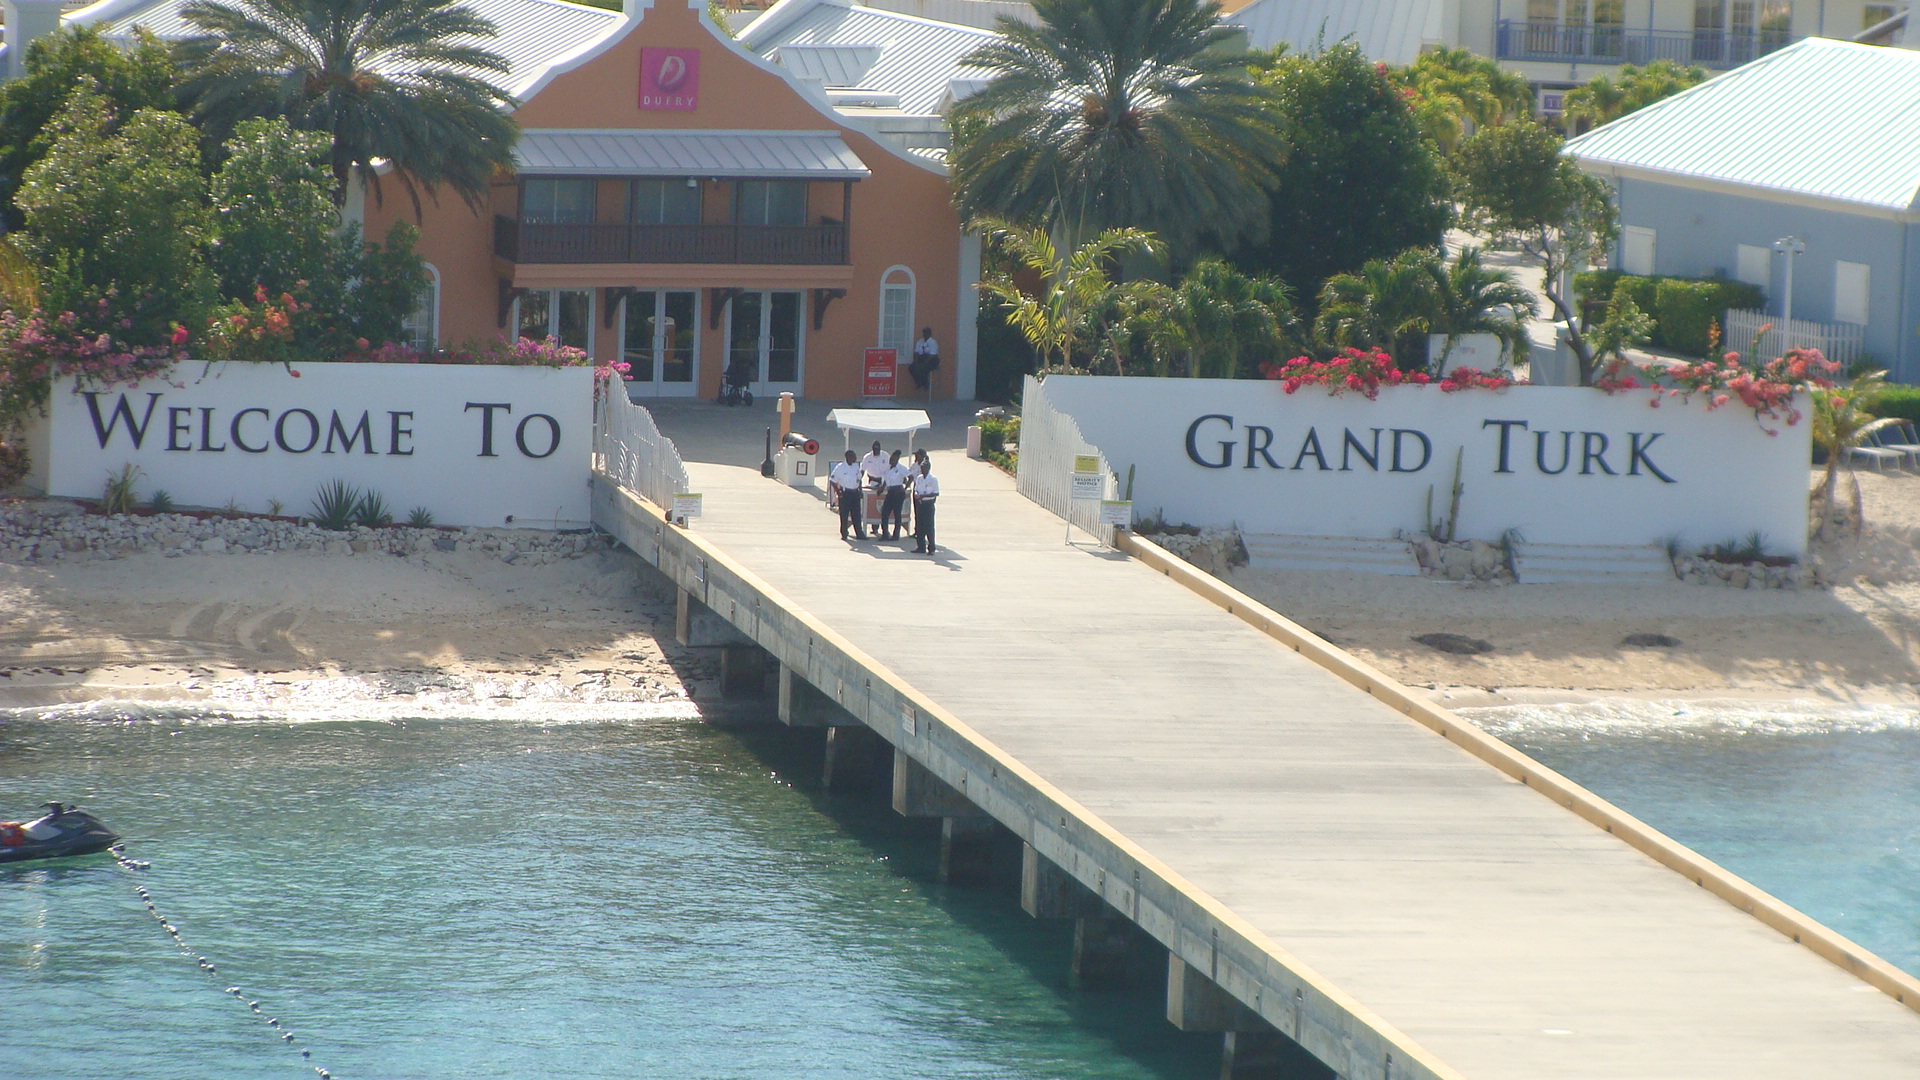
{"x":1820,"y":119}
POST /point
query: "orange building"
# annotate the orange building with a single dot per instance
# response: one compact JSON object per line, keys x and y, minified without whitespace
{"x":684,"y":205}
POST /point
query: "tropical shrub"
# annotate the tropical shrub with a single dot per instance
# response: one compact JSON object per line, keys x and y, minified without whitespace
{"x":334,"y":505}
{"x":1684,"y":310}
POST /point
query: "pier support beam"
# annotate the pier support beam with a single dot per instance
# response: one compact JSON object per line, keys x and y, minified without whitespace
{"x":966,"y":851}
{"x":919,"y":793}
{"x":743,"y":671}
{"x":856,"y":758}
{"x":1100,"y":950}
{"x":1251,"y":1048}
{"x":804,"y":705}
{"x":1196,"y":1003}
{"x":697,"y":625}
{"x":1049,"y":892}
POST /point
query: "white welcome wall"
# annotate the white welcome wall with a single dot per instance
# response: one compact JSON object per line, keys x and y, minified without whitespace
{"x":1562,"y":465}
{"x":476,"y":445}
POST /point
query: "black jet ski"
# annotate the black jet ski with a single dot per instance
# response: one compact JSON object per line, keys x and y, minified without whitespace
{"x":62,"y":830}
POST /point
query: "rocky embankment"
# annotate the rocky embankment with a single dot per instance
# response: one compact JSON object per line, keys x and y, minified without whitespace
{"x":55,"y":530}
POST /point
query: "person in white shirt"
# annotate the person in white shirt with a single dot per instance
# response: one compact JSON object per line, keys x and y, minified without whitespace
{"x":873,"y":470}
{"x":844,"y":482}
{"x":925,"y":490}
{"x":897,"y":478}
{"x":926,"y":359}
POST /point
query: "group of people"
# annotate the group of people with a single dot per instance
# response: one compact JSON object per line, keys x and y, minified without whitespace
{"x":884,"y":473}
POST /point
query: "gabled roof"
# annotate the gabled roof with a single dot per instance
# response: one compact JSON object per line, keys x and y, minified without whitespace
{"x":534,"y":34}
{"x":913,"y":59}
{"x":1390,"y":31}
{"x":1821,"y":119}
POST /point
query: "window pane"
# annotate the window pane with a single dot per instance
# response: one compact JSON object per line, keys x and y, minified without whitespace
{"x":751,"y":208}
{"x":557,"y":202}
{"x":663,"y":202}
{"x":1874,"y":14}
{"x":783,"y":339}
{"x":773,"y":202}
{"x":682,"y":323}
{"x":787,"y":202}
{"x":576,"y":317}
{"x":1851,"y":282}
{"x":638,"y":350}
{"x":743,"y":340}
{"x":418,"y":327}
{"x":680,"y":204}
{"x":896,"y":319}
{"x":535,"y":314}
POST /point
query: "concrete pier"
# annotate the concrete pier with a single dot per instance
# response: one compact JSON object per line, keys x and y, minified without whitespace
{"x":1370,"y":878}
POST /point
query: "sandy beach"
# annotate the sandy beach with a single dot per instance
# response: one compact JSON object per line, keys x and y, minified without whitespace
{"x":462,"y":632}
{"x":441,"y":633}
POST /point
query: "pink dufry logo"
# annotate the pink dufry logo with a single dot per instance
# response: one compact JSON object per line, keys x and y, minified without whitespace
{"x":669,"y":78}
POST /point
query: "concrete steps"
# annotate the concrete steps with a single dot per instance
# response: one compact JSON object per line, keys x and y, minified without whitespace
{"x":1552,"y":564}
{"x":1278,"y":551}
{"x":1539,"y":564}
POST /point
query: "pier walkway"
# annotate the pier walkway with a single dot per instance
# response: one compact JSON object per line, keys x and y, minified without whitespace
{"x":1392,"y":902}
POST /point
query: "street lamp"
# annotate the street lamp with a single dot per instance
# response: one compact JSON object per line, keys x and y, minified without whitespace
{"x":1788,"y":246}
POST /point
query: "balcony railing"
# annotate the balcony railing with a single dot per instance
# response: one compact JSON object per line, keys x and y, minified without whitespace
{"x":1559,"y":43}
{"x":624,"y":242}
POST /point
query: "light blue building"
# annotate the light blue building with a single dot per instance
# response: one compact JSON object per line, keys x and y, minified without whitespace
{"x":1802,"y":166}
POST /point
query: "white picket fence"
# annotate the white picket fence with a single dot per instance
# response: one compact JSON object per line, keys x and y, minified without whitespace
{"x":1049,"y":441}
{"x":1840,"y":342}
{"x":628,"y":446}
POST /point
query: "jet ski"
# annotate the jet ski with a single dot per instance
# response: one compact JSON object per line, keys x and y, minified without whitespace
{"x":62,"y":830}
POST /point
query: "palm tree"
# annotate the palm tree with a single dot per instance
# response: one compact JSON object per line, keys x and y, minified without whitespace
{"x":394,"y":80}
{"x":1388,"y":305}
{"x":1079,"y":302}
{"x":1452,"y":91}
{"x":1840,"y":423}
{"x":1219,"y":323}
{"x":1471,"y":298}
{"x":1604,"y":100}
{"x":1116,"y":114}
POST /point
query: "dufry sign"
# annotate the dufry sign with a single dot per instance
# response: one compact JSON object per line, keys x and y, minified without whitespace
{"x":670,"y":79}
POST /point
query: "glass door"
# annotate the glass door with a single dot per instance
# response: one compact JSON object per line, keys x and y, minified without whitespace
{"x":766,"y":340}
{"x":660,"y":341}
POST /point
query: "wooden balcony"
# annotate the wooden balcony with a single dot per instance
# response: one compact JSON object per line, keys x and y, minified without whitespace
{"x":624,"y":242}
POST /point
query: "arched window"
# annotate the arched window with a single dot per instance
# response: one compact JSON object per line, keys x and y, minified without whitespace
{"x":896,"y":310}
{"x":421,"y":327}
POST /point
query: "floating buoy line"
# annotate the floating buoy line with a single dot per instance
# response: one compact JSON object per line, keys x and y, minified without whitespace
{"x":206,"y":966}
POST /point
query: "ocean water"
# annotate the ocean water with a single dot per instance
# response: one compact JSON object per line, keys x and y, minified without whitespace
{"x":1817,"y":803}
{"x":515,"y":899}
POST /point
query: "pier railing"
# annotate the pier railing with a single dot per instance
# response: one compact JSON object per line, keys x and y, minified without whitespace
{"x":628,"y":446}
{"x":1050,"y":440}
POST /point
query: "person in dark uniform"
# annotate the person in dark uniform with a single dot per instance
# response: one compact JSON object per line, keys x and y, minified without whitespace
{"x":844,"y":481}
{"x":897,"y":478}
{"x":925,"y":490}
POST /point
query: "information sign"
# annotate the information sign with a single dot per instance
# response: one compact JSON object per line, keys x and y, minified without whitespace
{"x":686,"y":505}
{"x":1087,"y":481}
{"x":882,"y":373}
{"x":1116,"y":512}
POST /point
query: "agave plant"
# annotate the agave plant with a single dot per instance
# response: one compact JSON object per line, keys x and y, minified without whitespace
{"x":371,"y":510}
{"x":334,"y":505}
{"x":420,"y":518}
{"x":118,"y":498}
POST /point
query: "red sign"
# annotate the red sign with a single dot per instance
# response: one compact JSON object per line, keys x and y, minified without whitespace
{"x":882,"y":373}
{"x":669,"y":79}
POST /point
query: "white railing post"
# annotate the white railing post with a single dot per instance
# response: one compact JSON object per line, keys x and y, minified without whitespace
{"x":629,"y":448}
{"x":1049,"y":441}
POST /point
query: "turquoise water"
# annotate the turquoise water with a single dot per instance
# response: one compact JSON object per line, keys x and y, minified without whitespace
{"x":428,"y":899}
{"x":1818,"y":805}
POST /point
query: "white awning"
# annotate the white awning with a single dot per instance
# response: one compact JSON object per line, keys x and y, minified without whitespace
{"x":810,"y":155}
{"x":880,"y":422}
